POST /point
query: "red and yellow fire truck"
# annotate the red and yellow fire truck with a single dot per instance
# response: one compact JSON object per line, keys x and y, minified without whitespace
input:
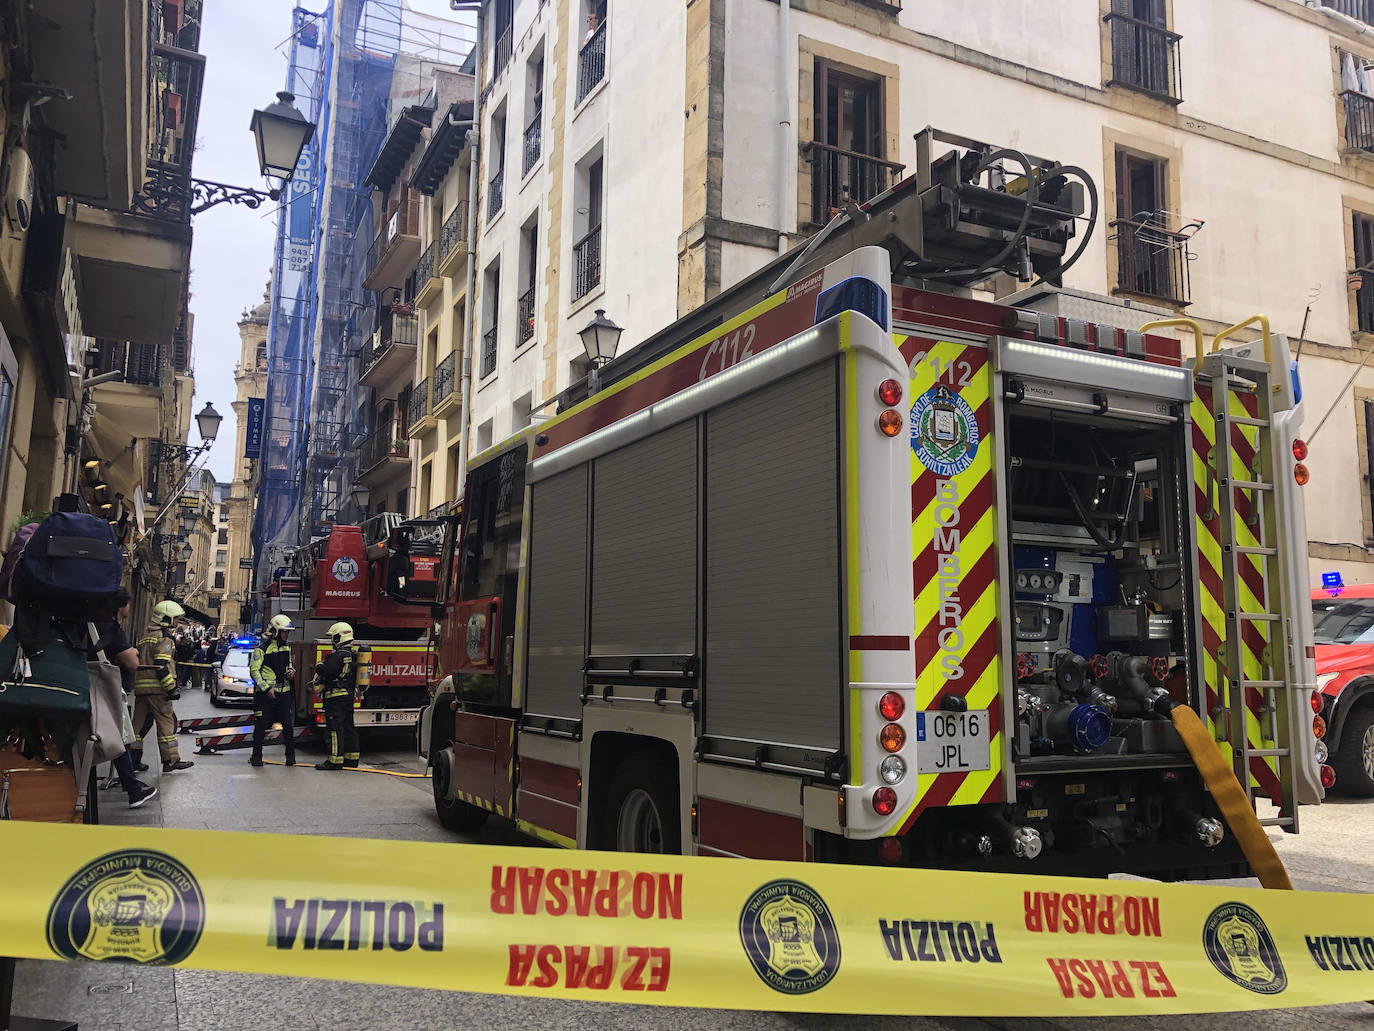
{"x":849,"y":565}
{"x":341,"y":577}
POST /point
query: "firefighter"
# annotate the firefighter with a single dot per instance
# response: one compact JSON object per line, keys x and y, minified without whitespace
{"x":338,"y":677}
{"x":272,"y":673}
{"x":155,"y":681}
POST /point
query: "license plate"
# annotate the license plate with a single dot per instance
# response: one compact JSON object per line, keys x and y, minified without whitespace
{"x":395,"y":719}
{"x":953,"y":742}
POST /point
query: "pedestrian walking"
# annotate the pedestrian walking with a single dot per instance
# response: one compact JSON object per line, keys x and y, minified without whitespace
{"x":272,"y":673}
{"x":113,"y":642}
{"x":154,"y":683}
{"x":338,"y":677}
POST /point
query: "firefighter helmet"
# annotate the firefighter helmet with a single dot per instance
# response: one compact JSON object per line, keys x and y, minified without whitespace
{"x":166,"y":613}
{"x":341,"y":633}
{"x":280,"y":624}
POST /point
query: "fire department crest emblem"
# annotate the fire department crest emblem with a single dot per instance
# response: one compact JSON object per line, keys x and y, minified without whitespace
{"x":944,"y":431}
{"x":345,"y":569}
{"x":790,"y":937}
{"x":131,"y":906}
{"x":1241,"y":948}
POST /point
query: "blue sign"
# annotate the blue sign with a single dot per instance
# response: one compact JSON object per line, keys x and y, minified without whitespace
{"x":252,"y":437}
{"x":1333,"y":584}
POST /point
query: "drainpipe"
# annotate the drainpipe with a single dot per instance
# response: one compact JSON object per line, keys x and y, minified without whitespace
{"x":784,"y":123}
{"x":465,"y":392}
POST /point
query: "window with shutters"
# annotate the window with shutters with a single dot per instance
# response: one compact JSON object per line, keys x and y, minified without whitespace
{"x":1144,"y":52}
{"x":1364,"y":446}
{"x":848,"y":151}
{"x":1362,"y":277}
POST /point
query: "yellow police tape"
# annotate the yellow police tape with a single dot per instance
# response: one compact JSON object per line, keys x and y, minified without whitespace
{"x":674,"y":931}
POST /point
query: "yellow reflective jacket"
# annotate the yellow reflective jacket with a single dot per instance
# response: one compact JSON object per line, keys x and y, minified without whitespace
{"x":157,"y":667}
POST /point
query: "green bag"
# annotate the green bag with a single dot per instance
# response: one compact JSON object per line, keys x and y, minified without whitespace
{"x":50,"y":681}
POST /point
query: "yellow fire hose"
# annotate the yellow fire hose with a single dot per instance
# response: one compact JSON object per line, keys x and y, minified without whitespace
{"x":1231,"y":800}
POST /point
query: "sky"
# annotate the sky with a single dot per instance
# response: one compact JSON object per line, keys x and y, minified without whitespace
{"x":245,"y":51}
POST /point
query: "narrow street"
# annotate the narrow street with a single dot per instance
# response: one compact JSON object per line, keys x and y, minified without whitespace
{"x":1335,"y":852}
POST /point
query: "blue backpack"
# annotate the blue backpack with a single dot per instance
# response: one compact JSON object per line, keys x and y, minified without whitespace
{"x":71,"y":557}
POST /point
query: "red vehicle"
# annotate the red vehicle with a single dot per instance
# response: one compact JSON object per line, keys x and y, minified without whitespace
{"x":1344,"y":634}
{"x":342,"y":577}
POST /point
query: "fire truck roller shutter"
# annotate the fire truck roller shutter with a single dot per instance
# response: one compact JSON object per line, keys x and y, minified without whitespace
{"x":773,"y":661}
{"x":558,"y":594}
{"x":644,"y":546}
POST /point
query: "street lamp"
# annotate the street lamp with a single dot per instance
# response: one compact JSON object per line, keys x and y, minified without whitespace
{"x":281,"y":133}
{"x":186,"y":552}
{"x":600,"y":337}
{"x":361,"y":494}
{"x":207,"y":422}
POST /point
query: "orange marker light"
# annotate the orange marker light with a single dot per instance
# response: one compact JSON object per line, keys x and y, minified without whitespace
{"x":892,"y":737}
{"x":890,"y":422}
{"x":1301,"y":474}
{"x":1318,"y":727}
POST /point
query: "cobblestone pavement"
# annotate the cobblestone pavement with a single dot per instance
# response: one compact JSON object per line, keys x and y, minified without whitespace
{"x":1335,"y":852}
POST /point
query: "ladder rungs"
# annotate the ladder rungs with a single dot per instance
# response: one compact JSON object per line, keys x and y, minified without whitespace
{"x":1241,"y":550}
{"x":1245,"y":420}
{"x":1261,"y":683}
{"x":1259,"y":617}
{"x":1251,"y":485}
{"x":1263,"y":753}
{"x":1277,"y":821}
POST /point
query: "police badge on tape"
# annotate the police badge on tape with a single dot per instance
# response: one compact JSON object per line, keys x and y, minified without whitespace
{"x":944,"y":431}
{"x":790,"y":937}
{"x":1241,"y":948}
{"x":130,"y":906}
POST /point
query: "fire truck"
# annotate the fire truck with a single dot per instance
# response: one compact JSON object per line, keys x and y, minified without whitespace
{"x":342,"y":576}
{"x":854,"y":565}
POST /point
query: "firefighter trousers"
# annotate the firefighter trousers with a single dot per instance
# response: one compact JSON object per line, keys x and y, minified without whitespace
{"x":150,"y":709}
{"x":338,"y":721}
{"x":267,"y":710}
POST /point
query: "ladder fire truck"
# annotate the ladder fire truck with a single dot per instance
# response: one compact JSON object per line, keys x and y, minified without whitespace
{"x":849,"y":565}
{"x":341,"y":576}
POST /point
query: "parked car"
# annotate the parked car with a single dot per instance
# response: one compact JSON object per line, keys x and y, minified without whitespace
{"x":234,"y":684}
{"x":1343,"y":629}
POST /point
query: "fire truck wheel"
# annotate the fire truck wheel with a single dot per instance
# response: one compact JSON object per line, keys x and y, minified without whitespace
{"x":454,"y":815}
{"x":641,"y":811}
{"x":1354,"y":760}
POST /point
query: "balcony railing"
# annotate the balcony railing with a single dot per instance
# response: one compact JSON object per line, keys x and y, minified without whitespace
{"x":444,"y":375}
{"x":839,"y":176}
{"x":399,"y":327}
{"x":587,"y":264}
{"x":1151,"y":260}
{"x":1360,"y":10}
{"x":1359,"y":120}
{"x":140,"y":364}
{"x":176,"y":77}
{"x":503,"y":52}
{"x":419,"y":402}
{"x":496,"y":194}
{"x":387,"y":442}
{"x":401,"y":220}
{"x":1145,"y":57}
{"x":532,"y":142}
{"x":454,"y":234}
{"x":591,"y":63}
{"x":424,"y":268}
{"x":524,"y":315}
{"x":488,"y":352}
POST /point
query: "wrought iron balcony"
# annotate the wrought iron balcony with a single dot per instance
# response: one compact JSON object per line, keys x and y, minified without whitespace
{"x":532,"y":142}
{"x":524,"y":315}
{"x":424,"y":268}
{"x":1359,"y":120}
{"x":1145,"y":58}
{"x":587,"y":264}
{"x":454,"y":234}
{"x":419,"y":403}
{"x":140,"y":364}
{"x":1151,"y":260}
{"x":176,"y":77}
{"x":839,"y":176}
{"x":388,"y":443}
{"x":488,"y":352}
{"x":1360,"y":10}
{"x":591,"y":62}
{"x":496,"y":194}
{"x":444,"y":376}
{"x":503,"y":52}
{"x":399,"y":328}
